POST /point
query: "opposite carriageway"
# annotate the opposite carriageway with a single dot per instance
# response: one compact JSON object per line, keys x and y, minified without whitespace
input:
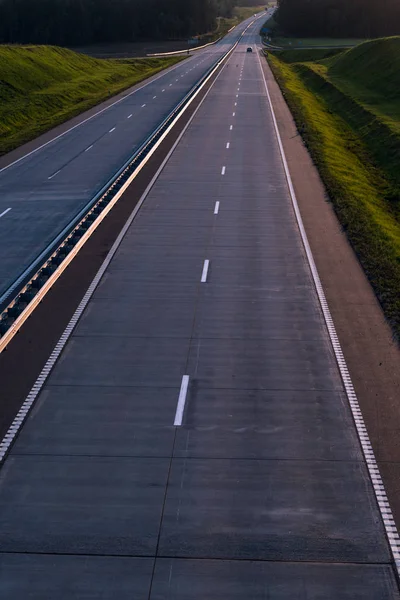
{"x":257,"y":486}
{"x":42,"y":193}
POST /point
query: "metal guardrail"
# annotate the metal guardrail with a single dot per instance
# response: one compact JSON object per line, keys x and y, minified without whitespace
{"x":23,"y":296}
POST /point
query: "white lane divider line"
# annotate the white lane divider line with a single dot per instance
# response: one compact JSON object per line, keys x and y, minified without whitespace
{"x":216,"y":209}
{"x":163,"y":90}
{"x":181,"y":401}
{"x":233,"y":114}
{"x":143,"y":105}
{"x":90,"y":147}
{"x":230,"y":128}
{"x":223,"y":171}
{"x":154,"y":97}
{"x":54,"y":174}
{"x":5,"y":212}
{"x":227,"y":145}
{"x":205,"y":271}
{"x":129,"y":116}
{"x":170,"y":85}
{"x":235,"y":103}
{"x":237,"y":95}
{"x":111,"y":130}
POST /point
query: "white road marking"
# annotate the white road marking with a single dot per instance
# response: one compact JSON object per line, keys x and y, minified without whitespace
{"x":216,"y":209}
{"x":111,"y":130}
{"x":143,"y":105}
{"x":231,"y":127}
{"x":235,"y":103}
{"x":170,"y":84}
{"x":129,"y":116}
{"x":181,"y":401}
{"x":154,"y":97}
{"x":237,"y":95}
{"x":90,"y":147}
{"x":227,"y":145}
{"x":163,"y":90}
{"x":223,"y":171}
{"x":5,"y":212}
{"x":233,"y":114}
{"x":54,"y":174}
{"x":205,"y":271}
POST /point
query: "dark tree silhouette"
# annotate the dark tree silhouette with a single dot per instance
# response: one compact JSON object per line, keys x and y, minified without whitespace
{"x":339,"y":18}
{"x":79,"y":22}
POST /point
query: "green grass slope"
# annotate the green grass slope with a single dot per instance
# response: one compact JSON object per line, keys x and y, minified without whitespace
{"x":350,"y":119}
{"x":371,"y":70}
{"x":42,"y":86}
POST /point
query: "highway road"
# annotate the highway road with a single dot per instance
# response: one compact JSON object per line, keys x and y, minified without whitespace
{"x":40,"y":194}
{"x":191,"y":436}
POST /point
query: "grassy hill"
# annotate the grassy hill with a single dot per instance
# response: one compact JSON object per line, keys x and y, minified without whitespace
{"x":348,"y":107}
{"x":42,"y":86}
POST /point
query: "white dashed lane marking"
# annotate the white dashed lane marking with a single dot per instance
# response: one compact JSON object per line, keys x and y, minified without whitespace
{"x":181,"y":401}
{"x":5,"y":212}
{"x":205,"y":271}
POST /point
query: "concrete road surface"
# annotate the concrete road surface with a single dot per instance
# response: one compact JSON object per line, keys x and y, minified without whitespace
{"x":194,"y":440}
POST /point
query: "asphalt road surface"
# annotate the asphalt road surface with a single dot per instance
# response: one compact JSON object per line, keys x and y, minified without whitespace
{"x":194,"y":441}
{"x":42,"y":193}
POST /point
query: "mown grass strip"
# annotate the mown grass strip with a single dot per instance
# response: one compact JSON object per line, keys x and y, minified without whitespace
{"x":359,"y":185}
{"x":43,"y":86}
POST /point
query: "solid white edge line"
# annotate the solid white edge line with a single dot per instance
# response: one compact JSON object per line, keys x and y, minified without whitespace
{"x":5,"y":212}
{"x":373,"y":469}
{"x":181,"y":401}
{"x":205,"y":271}
{"x":156,"y":78}
{"x":216,"y":209}
{"x":223,"y":171}
{"x":23,"y":412}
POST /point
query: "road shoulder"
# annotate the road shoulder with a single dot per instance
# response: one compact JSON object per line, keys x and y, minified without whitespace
{"x":372,"y":356}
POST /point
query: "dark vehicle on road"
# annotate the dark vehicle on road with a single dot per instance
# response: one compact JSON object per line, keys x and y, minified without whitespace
{"x":249,"y":50}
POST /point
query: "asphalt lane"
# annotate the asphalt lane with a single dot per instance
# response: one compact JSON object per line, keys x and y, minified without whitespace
{"x":40,"y":194}
{"x":261,"y":491}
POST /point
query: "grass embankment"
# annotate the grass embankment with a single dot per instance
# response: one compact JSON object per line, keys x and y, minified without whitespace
{"x":42,"y":86}
{"x":348,"y":109}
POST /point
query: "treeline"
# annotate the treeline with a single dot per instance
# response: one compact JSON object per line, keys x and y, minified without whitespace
{"x":339,"y":18}
{"x":80,"y":22}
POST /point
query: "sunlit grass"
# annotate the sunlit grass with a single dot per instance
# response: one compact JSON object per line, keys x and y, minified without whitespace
{"x":42,"y":86}
{"x":356,"y":153}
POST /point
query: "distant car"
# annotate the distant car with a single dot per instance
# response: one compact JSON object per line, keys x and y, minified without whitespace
{"x":249,"y":50}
